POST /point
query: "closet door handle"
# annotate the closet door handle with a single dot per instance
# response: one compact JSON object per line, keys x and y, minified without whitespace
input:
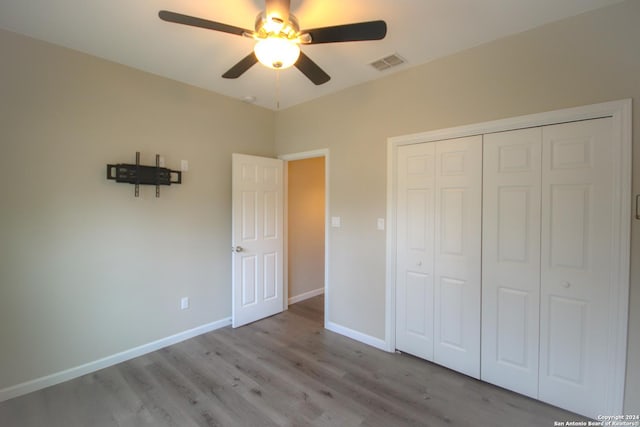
{"x":637,"y":207}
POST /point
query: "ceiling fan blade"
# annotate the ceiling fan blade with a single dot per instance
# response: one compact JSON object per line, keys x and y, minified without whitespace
{"x":311,"y":70}
{"x":242,"y":66}
{"x":179,"y":18}
{"x":361,"y":31}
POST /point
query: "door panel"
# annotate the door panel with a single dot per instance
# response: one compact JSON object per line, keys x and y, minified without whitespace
{"x":576,"y":268}
{"x":511,"y":259}
{"x":270,"y":275}
{"x":451,"y":321}
{"x":568,"y":225}
{"x":249,"y":280}
{"x":513,"y":216}
{"x":452,"y":221}
{"x":249,"y":215}
{"x":271,"y":215}
{"x":567,"y":340}
{"x":417,"y":307}
{"x":513,"y":321}
{"x":414,"y":280}
{"x":458,"y":201}
{"x":257,"y":229}
{"x":418,"y":203}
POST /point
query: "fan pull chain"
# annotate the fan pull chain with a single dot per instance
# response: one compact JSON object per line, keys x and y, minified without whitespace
{"x":277,"y":89}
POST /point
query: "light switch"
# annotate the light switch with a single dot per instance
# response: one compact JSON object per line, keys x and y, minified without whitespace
{"x":336,"y":221}
{"x":380,"y":225}
{"x":184,"y":165}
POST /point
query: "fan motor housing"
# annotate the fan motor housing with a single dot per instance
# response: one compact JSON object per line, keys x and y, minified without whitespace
{"x":275,"y":26}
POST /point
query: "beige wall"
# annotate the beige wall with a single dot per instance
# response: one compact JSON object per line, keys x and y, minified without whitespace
{"x":588,"y":59}
{"x":86,"y":269}
{"x":305,"y":225}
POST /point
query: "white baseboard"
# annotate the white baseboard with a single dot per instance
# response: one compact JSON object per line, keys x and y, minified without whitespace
{"x":69,"y":374}
{"x":306,"y":295}
{"x":358,"y":336}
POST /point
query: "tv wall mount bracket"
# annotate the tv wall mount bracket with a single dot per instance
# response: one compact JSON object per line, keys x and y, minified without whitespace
{"x":143,"y":175}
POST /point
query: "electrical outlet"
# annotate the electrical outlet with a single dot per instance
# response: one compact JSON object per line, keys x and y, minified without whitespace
{"x":184,"y":303}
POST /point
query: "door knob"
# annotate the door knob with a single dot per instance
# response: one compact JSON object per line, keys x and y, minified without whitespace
{"x":237,"y":249}
{"x":566,"y":285}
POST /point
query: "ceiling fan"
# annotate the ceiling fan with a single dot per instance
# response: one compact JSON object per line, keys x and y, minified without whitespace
{"x":278,"y":38}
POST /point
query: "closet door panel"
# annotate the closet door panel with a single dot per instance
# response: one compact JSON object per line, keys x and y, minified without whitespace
{"x":414,"y":281}
{"x":511,"y":259}
{"x":458,"y":201}
{"x":576,"y":265}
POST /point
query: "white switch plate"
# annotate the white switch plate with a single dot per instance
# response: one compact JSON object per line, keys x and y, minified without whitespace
{"x":380,"y":224}
{"x":336,"y":221}
{"x":184,"y":165}
{"x":161,"y":161}
{"x":184,"y":303}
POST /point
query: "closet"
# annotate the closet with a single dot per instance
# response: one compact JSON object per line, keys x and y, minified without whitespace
{"x":439,"y":226}
{"x":506,"y":267}
{"x":546,"y":267}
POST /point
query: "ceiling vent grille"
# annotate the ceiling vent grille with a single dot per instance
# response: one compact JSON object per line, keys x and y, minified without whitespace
{"x":388,"y":62}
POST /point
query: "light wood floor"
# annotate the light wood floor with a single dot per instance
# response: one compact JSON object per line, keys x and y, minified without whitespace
{"x":282,"y":371}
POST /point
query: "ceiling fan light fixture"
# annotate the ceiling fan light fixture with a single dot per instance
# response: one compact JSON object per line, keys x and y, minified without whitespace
{"x":276,"y":52}
{"x":278,"y":37}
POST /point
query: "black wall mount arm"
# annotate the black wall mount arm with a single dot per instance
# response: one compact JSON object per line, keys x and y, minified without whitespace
{"x":143,"y":175}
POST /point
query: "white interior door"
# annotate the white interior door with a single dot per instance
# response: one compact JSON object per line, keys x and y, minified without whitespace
{"x":511,"y":259}
{"x":257,"y":238}
{"x":414,"y":259}
{"x":577,"y":241}
{"x":457,"y":274}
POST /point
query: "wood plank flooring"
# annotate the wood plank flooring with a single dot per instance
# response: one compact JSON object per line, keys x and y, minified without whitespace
{"x":286,"y":370}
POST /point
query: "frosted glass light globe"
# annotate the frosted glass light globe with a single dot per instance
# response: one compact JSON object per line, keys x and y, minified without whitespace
{"x":276,"y":52}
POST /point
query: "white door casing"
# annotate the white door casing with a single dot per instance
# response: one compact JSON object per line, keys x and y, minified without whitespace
{"x":457,"y":261}
{"x":257,"y":238}
{"x":323,"y":152}
{"x":511,"y":259}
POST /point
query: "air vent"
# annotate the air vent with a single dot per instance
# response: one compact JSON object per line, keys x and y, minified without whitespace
{"x":388,"y":62}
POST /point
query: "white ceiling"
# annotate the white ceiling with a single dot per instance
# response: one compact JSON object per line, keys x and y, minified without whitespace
{"x":130,"y":33}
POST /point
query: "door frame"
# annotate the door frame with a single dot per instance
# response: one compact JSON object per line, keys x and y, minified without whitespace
{"x":620,"y":112}
{"x":324,"y":152}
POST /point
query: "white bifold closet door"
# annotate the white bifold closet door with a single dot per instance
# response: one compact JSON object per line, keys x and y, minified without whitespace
{"x":576,"y":266}
{"x":415,"y":246}
{"x":547,"y":267}
{"x":438,"y":252}
{"x":511,"y":259}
